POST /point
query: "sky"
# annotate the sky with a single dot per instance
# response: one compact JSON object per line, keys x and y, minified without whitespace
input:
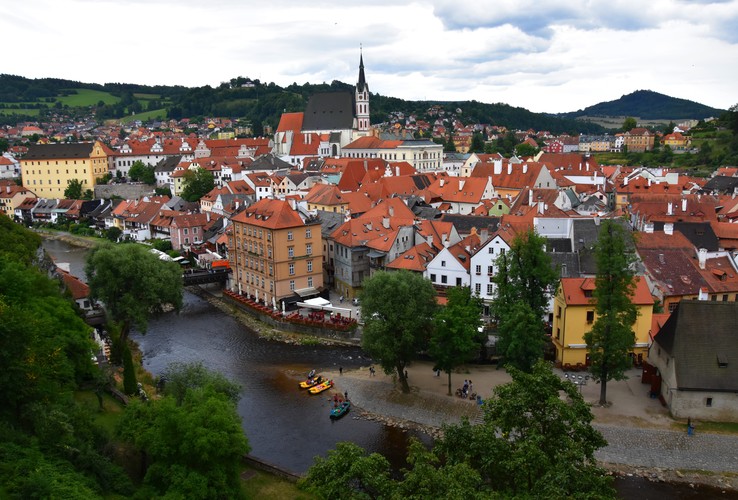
{"x":545,"y":56}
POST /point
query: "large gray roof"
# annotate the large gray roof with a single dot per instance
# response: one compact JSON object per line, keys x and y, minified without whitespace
{"x":329,"y":111}
{"x":62,"y":150}
{"x":698,"y":335}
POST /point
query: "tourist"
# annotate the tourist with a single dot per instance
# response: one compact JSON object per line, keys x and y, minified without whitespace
{"x":340,"y":370}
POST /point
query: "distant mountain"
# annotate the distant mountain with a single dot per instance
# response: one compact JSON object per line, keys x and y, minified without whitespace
{"x":648,"y":105}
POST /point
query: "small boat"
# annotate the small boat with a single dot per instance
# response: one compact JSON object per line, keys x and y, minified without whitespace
{"x":340,"y":410}
{"x":324,"y":386}
{"x":311,"y":382}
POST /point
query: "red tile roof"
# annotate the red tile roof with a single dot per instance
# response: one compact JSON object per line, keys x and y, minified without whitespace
{"x":269,"y":213}
{"x":574,"y":288}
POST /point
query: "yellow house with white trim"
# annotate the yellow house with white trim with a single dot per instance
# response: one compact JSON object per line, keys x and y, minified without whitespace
{"x":574,"y":315}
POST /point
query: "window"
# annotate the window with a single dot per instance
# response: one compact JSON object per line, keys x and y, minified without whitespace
{"x":558,"y":333}
{"x":458,"y":281}
{"x":310,"y":281}
{"x":478,"y":269}
{"x":289,"y":235}
{"x":310,"y":266}
{"x":490,"y":270}
{"x":308,"y":233}
{"x":708,"y":402}
{"x":292,"y":285}
{"x":444,"y":279}
{"x":478,"y":288}
{"x":433,"y":278}
{"x":292,"y":269}
{"x":725,"y":297}
{"x":309,"y":249}
{"x":291,"y":252}
{"x":558,"y":312}
{"x":443,"y":263}
{"x":673,"y":306}
{"x":490,"y":289}
{"x":590,"y":317}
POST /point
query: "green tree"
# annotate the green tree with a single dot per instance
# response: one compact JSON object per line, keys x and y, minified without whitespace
{"x":73,"y":190}
{"x":477,"y":143}
{"x":536,"y":441}
{"x":523,"y":280}
{"x":180,"y":378}
{"x":19,"y":244}
{"x":197,"y":183}
{"x":398,"y":309}
{"x":192,"y":449}
{"x":455,"y":337}
{"x":612,"y":336}
{"x":130,"y":384}
{"x":140,"y":172}
{"x":450,"y":145}
{"x":348,"y":472}
{"x":525,"y":149}
{"x":629,"y":124}
{"x":132,"y":283}
{"x":113,"y":233}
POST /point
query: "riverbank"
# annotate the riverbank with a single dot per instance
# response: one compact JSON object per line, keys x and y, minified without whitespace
{"x":643,"y":439}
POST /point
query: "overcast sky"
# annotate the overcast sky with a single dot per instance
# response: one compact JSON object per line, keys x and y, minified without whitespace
{"x":545,"y":55}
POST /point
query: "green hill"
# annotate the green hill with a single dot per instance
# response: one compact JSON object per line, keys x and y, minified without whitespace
{"x":649,"y":105}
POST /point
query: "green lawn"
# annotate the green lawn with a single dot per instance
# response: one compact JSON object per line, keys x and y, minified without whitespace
{"x":108,"y":416}
{"x":256,"y":484}
{"x":160,"y":114}
{"x":19,"y":111}
{"x":87,"y":97}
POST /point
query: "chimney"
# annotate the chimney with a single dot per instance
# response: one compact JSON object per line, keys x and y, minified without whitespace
{"x":625,"y":181}
{"x":429,"y":239}
{"x":461,"y":184}
{"x":525,"y":168}
{"x":391,"y":211}
{"x":669,"y":229}
{"x":442,"y":182}
{"x":669,"y":208}
{"x":702,"y":256}
{"x":684,"y":204}
{"x":397,"y":171}
{"x":540,"y":207}
{"x":580,"y":166}
{"x":649,"y":182}
{"x":291,"y":201}
{"x":497,"y":169}
{"x":509,"y":169}
{"x":386,"y":222}
{"x":587,"y":165}
{"x":207,"y":216}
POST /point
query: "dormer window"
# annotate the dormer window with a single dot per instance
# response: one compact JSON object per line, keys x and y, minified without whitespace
{"x":722,"y":360}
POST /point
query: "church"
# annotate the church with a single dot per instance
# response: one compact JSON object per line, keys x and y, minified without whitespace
{"x":330,"y":121}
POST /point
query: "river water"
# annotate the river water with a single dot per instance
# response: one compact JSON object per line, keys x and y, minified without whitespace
{"x":286,"y":426}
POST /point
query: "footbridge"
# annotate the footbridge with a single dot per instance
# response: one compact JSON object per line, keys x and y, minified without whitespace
{"x":205,"y":276}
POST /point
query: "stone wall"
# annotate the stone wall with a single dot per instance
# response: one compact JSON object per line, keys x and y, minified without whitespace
{"x":129,"y":191}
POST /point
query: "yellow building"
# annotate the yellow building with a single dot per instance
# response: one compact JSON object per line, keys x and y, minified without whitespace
{"x":47,"y":169}
{"x":274,"y":253}
{"x":574,"y":315}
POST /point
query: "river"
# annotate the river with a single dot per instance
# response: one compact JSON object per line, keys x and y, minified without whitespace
{"x":286,"y":426}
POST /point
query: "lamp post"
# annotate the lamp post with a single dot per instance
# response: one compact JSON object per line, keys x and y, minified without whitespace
{"x":577,"y":380}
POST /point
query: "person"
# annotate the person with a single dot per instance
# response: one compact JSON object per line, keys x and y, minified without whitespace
{"x":470,"y":386}
{"x":371,"y":371}
{"x":690,"y":427}
{"x":406,"y":374}
{"x":345,"y":395}
{"x":340,"y":370}
{"x":340,"y":299}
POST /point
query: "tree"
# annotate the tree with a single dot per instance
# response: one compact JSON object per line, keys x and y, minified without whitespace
{"x":525,"y":149}
{"x":73,"y":190}
{"x":130,"y":384}
{"x":180,"y":378}
{"x":477,"y":143}
{"x":450,"y":145}
{"x":536,"y":440}
{"x":455,"y":338}
{"x":140,"y":172}
{"x":612,"y":336}
{"x":348,"y":472}
{"x":132,"y":283}
{"x":523,"y":280}
{"x":197,"y":183}
{"x":113,"y":233}
{"x":192,"y":449}
{"x":629,"y":124}
{"x":398,"y":309}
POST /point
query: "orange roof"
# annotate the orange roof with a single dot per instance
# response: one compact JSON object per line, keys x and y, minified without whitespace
{"x":574,"y":291}
{"x":269,"y":213}
{"x":290,"y":121}
{"x":325,"y":194}
{"x":414,"y":259}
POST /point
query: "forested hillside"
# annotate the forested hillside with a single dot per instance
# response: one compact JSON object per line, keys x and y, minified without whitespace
{"x":649,"y":105}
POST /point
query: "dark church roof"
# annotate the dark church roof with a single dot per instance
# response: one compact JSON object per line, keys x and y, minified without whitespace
{"x":465,"y":223}
{"x":700,"y":234}
{"x":329,"y":111}
{"x":721,"y":184}
{"x":700,"y":337}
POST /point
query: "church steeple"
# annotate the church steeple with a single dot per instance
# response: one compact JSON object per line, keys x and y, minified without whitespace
{"x":362,"y":99}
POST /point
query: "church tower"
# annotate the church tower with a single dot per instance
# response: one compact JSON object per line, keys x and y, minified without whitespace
{"x":362,"y":101}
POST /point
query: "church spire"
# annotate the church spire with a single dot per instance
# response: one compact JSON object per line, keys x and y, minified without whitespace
{"x":361,"y":85}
